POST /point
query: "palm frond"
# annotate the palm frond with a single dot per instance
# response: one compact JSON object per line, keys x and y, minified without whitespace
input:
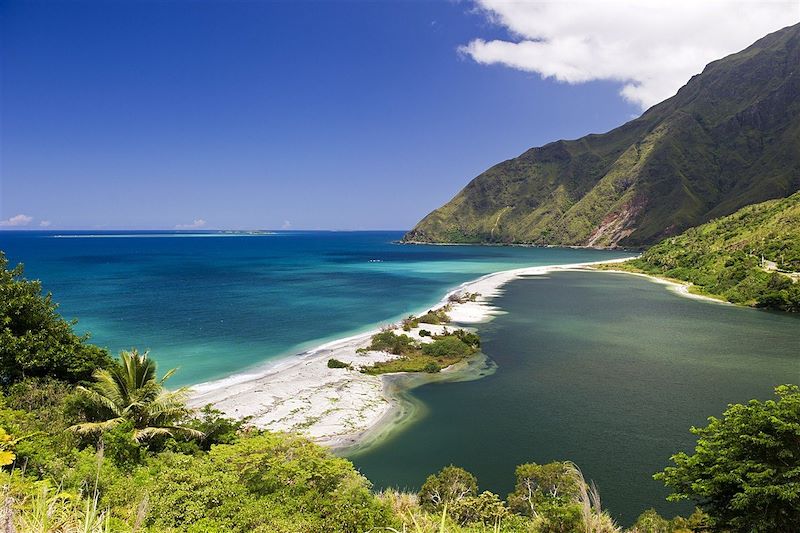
{"x":131,"y":391}
{"x":100,"y":400}
{"x":96,"y":427}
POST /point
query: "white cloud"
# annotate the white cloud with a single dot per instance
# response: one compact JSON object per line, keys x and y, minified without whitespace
{"x":45,"y":223}
{"x":652,"y":47}
{"x":196,"y":224}
{"x":17,"y":220}
{"x":286,"y":224}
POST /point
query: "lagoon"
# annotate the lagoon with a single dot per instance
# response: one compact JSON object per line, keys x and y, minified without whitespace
{"x":607,"y":370}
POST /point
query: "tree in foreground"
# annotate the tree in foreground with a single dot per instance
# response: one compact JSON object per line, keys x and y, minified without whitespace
{"x":35,"y":341}
{"x":745,"y":471}
{"x":130,"y":392}
{"x":450,"y":485}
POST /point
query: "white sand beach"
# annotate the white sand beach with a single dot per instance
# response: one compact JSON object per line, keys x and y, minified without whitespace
{"x":679,"y":287}
{"x":337,"y":406}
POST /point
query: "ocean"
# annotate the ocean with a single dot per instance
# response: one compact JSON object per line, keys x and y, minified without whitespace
{"x":214,"y":304}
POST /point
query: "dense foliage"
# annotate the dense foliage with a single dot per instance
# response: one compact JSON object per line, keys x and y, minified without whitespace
{"x":35,"y":341}
{"x":745,"y":470}
{"x":443,"y":350}
{"x":729,"y":138}
{"x":751,"y":257}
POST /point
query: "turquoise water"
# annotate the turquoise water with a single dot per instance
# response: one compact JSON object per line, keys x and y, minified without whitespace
{"x":216,"y":304}
{"x":607,"y":370}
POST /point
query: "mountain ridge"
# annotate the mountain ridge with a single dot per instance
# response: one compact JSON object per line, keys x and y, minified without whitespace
{"x":730,"y":137}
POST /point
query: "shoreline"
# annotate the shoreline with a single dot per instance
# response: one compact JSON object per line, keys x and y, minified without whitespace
{"x":344,"y":409}
{"x":677,"y":286}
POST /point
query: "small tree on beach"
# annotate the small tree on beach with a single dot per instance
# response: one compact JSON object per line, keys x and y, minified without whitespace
{"x":131,"y":392}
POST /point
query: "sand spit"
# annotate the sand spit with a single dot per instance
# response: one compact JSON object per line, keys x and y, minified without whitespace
{"x":338,"y":407}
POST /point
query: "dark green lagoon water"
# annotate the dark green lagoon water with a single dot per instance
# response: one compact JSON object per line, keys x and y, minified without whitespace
{"x":607,"y":370}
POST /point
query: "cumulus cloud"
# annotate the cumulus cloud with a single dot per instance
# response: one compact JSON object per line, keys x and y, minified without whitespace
{"x":196,"y":224}
{"x":286,"y":224}
{"x":16,"y":221}
{"x":45,"y":223}
{"x":652,"y":47}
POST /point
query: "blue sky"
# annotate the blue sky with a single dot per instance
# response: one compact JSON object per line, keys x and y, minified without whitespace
{"x":335,"y":115}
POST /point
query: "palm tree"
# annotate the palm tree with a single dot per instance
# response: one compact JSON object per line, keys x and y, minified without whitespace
{"x":131,"y":392}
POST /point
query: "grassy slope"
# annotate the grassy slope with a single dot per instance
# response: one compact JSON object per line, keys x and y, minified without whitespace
{"x":723,"y":257}
{"x":729,"y":138}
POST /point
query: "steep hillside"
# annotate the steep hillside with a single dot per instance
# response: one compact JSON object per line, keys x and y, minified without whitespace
{"x":750,"y":257}
{"x":730,"y":137}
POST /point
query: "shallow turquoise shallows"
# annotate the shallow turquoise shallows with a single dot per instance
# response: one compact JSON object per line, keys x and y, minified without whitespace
{"x":216,"y":304}
{"x":606,"y":370}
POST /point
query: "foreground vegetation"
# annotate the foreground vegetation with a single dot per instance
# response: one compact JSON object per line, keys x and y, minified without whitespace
{"x":93,"y":444}
{"x":751,"y":257}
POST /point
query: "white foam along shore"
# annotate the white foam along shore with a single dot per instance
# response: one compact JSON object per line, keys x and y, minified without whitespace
{"x":337,"y":406}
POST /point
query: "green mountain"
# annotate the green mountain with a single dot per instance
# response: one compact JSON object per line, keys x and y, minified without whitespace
{"x":730,"y":137}
{"x":751,"y":257}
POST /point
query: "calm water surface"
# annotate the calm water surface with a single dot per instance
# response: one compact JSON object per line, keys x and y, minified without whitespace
{"x":607,"y":370}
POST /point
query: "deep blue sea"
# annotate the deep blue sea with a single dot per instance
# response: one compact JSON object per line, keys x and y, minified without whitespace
{"x":214,"y":304}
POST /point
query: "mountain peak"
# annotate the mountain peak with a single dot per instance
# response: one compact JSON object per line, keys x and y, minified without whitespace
{"x":729,"y":137}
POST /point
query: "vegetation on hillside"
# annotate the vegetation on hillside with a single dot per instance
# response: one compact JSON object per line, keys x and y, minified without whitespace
{"x":751,"y":257}
{"x":729,"y":138}
{"x":150,"y":464}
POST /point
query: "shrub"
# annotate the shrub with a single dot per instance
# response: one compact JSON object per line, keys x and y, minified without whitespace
{"x":388,"y":341}
{"x":549,"y":485}
{"x":450,"y":485}
{"x":566,"y":518}
{"x":468,"y":338}
{"x":215,"y":427}
{"x":432,"y":368}
{"x":463,"y":297}
{"x":743,"y":472}
{"x":435,"y":316}
{"x":486,"y":509}
{"x":652,"y":522}
{"x":409,"y":323}
{"x":424,"y":333}
{"x":335,"y":363}
{"x":269,"y":482}
{"x":446,"y":346}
